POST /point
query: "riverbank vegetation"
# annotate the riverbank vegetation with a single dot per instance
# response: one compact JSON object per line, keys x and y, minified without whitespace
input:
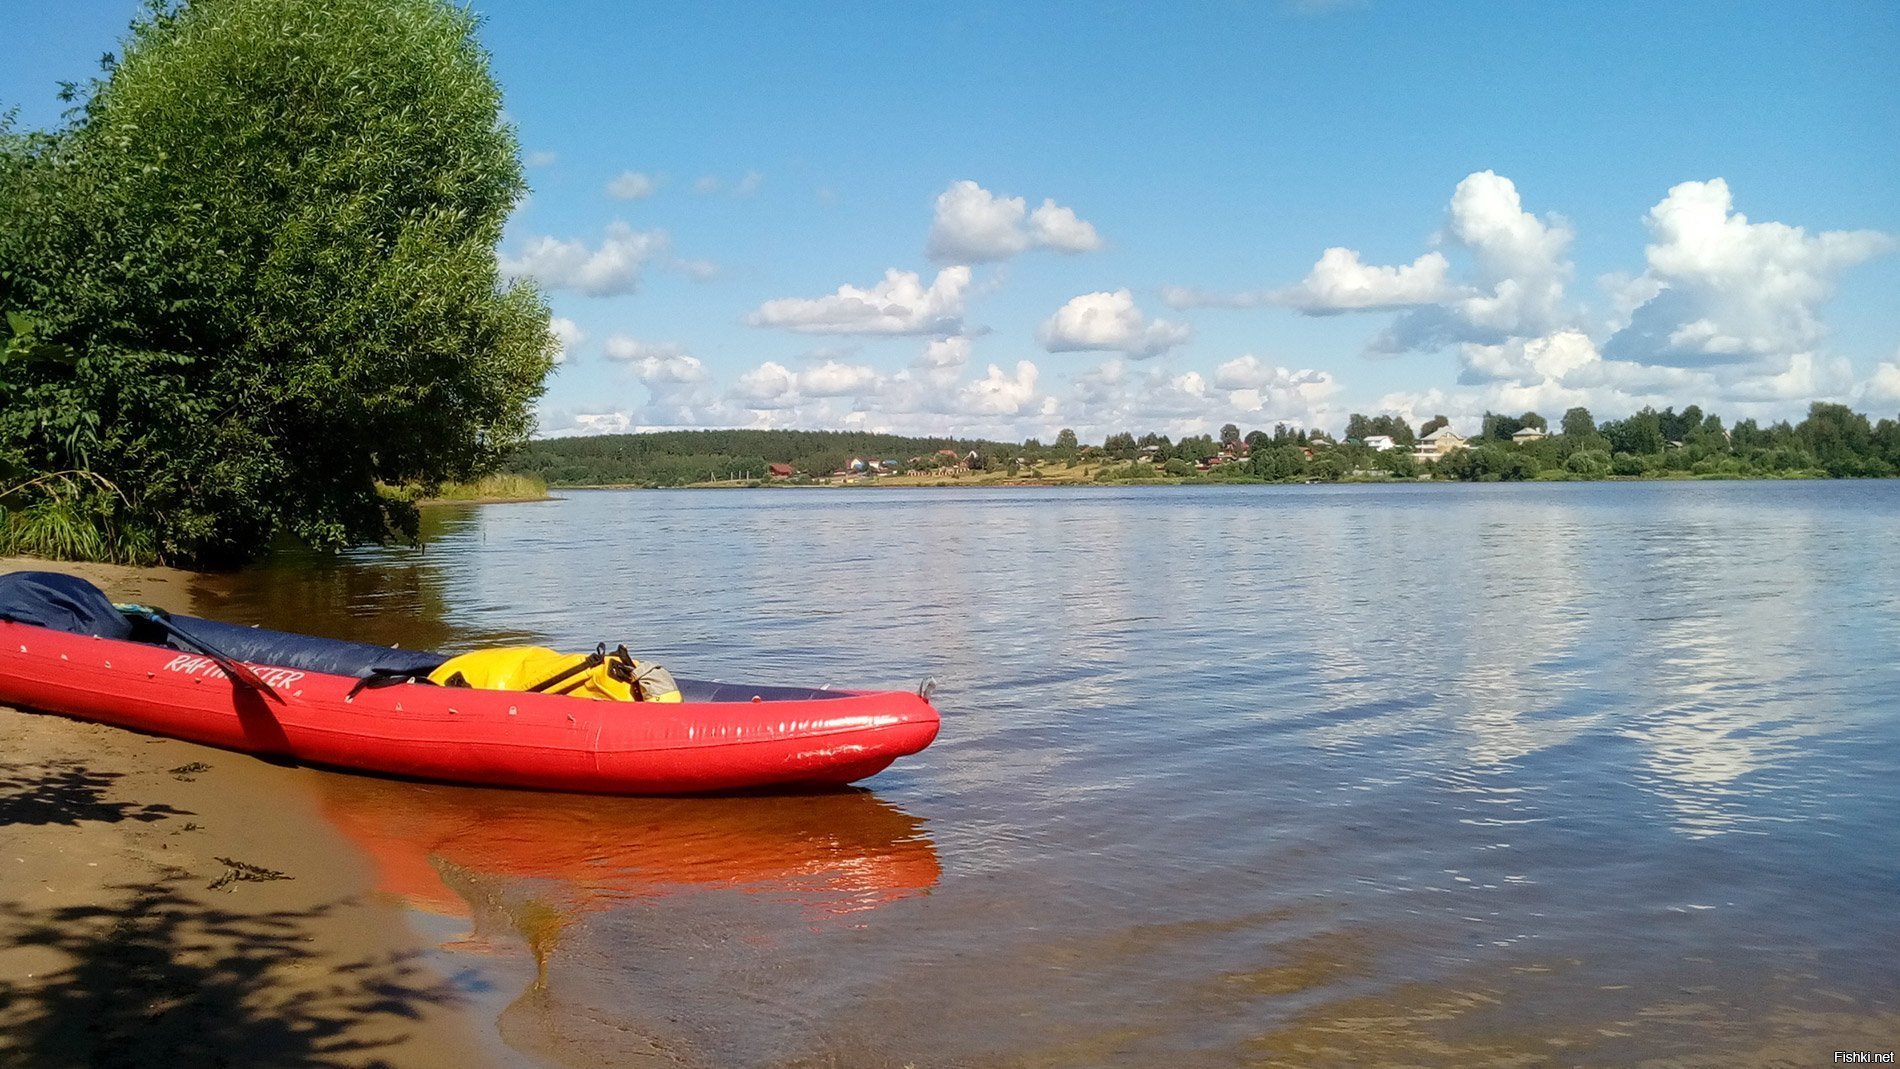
{"x":1833,"y":441}
{"x":252,"y":281}
{"x":500,"y":487}
{"x":679,"y":458}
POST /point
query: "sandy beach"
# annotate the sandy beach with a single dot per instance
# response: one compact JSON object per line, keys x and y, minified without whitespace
{"x":163,"y":903}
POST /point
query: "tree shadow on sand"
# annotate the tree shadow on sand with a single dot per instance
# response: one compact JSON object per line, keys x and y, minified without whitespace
{"x":69,"y":793}
{"x":163,"y":980}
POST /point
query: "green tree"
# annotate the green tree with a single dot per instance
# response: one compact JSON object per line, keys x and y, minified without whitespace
{"x":1397,"y":461}
{"x":1710,"y":435}
{"x":1433,"y":424}
{"x":1278,"y":462}
{"x":1577,"y":424}
{"x":1066,"y":445}
{"x":1229,"y":434}
{"x":269,"y":239}
{"x":1886,"y":440}
{"x":1840,"y":439}
{"x":1394,"y":427}
{"x":1641,"y":434}
{"x":1488,"y":463}
{"x":1196,"y":448}
{"x":1593,"y":463}
{"x":1500,"y":427}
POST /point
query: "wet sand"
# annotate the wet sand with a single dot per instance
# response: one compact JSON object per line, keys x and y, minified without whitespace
{"x":163,"y":903}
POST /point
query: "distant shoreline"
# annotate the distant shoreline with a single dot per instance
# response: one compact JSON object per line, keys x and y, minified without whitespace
{"x":1020,"y":484}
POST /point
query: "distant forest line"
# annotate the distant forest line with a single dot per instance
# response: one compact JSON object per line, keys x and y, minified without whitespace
{"x":1832,"y":441}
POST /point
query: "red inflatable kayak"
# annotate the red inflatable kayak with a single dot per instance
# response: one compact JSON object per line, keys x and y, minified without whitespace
{"x":721,"y":737}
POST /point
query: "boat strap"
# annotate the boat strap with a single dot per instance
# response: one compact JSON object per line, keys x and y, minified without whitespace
{"x":379,"y":678}
{"x":642,"y":683}
{"x":551,"y":685}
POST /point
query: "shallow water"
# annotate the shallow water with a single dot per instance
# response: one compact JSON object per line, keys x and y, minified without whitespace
{"x":1595,"y":774}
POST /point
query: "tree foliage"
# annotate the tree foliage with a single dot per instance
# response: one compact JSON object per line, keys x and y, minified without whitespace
{"x":1361,"y":427}
{"x":1832,"y":440}
{"x":268,"y":239}
{"x":674,"y":458}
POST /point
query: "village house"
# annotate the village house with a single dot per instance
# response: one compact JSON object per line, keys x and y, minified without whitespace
{"x":1526,"y":435}
{"x":779,"y":471}
{"x":1437,"y":444}
{"x":1380,"y":442}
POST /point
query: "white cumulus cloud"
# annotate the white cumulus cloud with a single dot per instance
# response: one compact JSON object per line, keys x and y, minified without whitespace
{"x":1339,"y":282}
{"x":1052,"y":226}
{"x":1528,"y":360}
{"x":773,"y":387}
{"x":562,"y":422}
{"x":770,"y":385}
{"x":972,"y":225}
{"x":1109,"y":322}
{"x":1191,"y":297}
{"x":654,"y":363}
{"x":900,"y":304}
{"x":570,"y":336}
{"x":611,"y":269}
{"x":1249,"y":372}
{"x":633,"y":185}
{"x":1725,"y":290}
{"x":1518,"y":287}
{"x":944,"y":353}
{"x":1883,"y":386}
{"x":834,"y":378}
{"x":1247,"y":391}
{"x":697,"y":270}
{"x":1000,"y":394}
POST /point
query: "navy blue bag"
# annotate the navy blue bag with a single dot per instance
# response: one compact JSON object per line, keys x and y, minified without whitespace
{"x":61,"y":603}
{"x":66,"y":603}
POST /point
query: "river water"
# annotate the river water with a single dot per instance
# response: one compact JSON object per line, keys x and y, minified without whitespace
{"x":1594,"y":774}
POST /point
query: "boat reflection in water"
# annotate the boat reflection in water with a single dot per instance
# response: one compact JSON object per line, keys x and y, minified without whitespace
{"x":836,"y":853}
{"x":573,"y":871}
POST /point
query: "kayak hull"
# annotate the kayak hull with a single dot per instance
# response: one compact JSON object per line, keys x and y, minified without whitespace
{"x":460,"y":735}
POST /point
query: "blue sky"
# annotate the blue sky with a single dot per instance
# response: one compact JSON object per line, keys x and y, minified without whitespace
{"x":1119,"y":216}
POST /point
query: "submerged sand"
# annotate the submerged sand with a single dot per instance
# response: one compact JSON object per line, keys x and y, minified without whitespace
{"x":163,"y":903}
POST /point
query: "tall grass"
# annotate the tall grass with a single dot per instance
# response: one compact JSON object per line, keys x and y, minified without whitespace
{"x":500,"y":487}
{"x":65,"y":515}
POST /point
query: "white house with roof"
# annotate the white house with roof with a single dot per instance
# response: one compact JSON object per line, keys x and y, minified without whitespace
{"x":1381,"y":442}
{"x":1526,"y":435}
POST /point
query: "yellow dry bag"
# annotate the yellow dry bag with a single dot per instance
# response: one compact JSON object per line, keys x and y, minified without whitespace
{"x":600,"y":675}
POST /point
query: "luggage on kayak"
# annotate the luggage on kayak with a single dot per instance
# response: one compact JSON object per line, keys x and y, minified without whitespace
{"x":61,"y":603}
{"x":601,"y":675}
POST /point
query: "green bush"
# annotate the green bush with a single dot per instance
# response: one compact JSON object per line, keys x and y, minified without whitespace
{"x":268,"y":244}
{"x":1593,"y":463}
